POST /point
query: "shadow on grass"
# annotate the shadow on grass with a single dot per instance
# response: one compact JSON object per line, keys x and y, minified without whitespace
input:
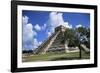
{"x":64,"y":58}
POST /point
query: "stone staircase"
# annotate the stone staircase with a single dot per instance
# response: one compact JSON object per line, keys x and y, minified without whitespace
{"x":42,"y":49}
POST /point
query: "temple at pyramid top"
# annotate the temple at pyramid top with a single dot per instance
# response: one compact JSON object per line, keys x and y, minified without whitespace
{"x":61,"y":28}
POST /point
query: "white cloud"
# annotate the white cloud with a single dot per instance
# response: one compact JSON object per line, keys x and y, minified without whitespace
{"x":79,"y":25}
{"x":37,"y":27}
{"x":43,"y":27}
{"x":55,"y":20}
{"x":49,"y":34}
{"x":25,"y":20}
{"x":28,"y":34}
{"x":60,"y":19}
{"x":29,"y":40}
{"x":66,"y":24}
{"x":40,"y":42}
{"x":36,"y":43}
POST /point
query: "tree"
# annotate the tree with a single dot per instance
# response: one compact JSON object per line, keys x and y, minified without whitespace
{"x":77,"y":36}
{"x":84,"y":35}
{"x":69,"y":35}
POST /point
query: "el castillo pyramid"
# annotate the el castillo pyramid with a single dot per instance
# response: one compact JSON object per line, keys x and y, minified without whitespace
{"x":55,"y":43}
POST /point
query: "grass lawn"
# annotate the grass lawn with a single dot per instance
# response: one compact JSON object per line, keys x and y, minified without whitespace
{"x":54,"y":57}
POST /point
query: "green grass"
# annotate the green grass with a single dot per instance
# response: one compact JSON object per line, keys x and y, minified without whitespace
{"x":54,"y":56}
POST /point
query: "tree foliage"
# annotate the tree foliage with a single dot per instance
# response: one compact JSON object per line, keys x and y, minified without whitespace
{"x":77,"y":36}
{"x":70,"y":37}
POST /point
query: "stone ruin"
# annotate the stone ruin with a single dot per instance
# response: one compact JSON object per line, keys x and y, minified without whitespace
{"x":55,"y":44}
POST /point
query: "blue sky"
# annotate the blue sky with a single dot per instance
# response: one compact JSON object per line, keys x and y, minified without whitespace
{"x":39,"y":25}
